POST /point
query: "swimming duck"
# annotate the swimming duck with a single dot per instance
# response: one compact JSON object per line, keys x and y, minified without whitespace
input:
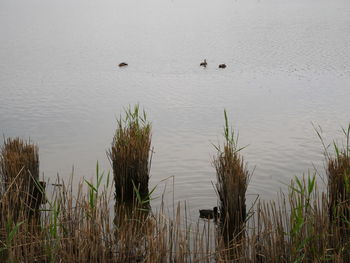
{"x":209,"y":213}
{"x":222,"y":66}
{"x":123,"y":64}
{"x":204,"y":63}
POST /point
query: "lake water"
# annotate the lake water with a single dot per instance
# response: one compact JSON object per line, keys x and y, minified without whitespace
{"x":288,"y":65}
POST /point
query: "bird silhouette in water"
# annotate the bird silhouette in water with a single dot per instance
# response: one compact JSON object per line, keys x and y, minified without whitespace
{"x":209,"y":213}
{"x":123,"y":64}
{"x":204,"y":63}
{"x":222,"y":66}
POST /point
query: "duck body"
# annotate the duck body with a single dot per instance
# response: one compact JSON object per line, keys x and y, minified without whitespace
{"x":204,"y":63}
{"x":209,"y":213}
{"x":123,"y":64}
{"x":222,"y":66}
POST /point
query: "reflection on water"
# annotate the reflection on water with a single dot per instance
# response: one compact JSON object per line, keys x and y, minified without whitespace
{"x":287,"y":66}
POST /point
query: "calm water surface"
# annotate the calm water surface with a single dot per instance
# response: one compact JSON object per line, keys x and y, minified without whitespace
{"x":288,"y":65}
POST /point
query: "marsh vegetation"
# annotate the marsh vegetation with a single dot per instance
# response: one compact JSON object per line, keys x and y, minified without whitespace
{"x":107,"y":220}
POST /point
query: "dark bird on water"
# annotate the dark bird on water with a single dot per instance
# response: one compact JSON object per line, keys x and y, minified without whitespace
{"x":204,"y":63}
{"x":222,"y":66}
{"x":123,"y":64}
{"x":209,"y":213}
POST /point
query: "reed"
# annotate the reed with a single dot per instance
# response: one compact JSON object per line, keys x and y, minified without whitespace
{"x":130,"y":155}
{"x":232,"y":182}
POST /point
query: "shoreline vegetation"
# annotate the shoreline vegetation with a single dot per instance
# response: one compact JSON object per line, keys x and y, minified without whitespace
{"x":111,"y":220}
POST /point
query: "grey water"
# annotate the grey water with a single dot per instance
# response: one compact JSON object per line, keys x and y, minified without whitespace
{"x":288,"y":66}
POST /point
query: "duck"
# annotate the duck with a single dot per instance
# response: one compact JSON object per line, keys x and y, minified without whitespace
{"x":209,"y":213}
{"x":222,"y":66}
{"x":38,"y":194}
{"x":123,"y":64}
{"x":204,"y":63}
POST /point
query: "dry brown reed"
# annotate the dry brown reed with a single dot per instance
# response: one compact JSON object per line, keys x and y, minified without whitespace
{"x":130,"y":156}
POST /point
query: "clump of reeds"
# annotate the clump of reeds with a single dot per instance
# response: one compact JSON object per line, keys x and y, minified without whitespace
{"x":338,"y":174}
{"x":130,"y":155}
{"x":17,"y":155}
{"x":19,"y":167}
{"x":21,"y":193}
{"x":232,"y":181}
